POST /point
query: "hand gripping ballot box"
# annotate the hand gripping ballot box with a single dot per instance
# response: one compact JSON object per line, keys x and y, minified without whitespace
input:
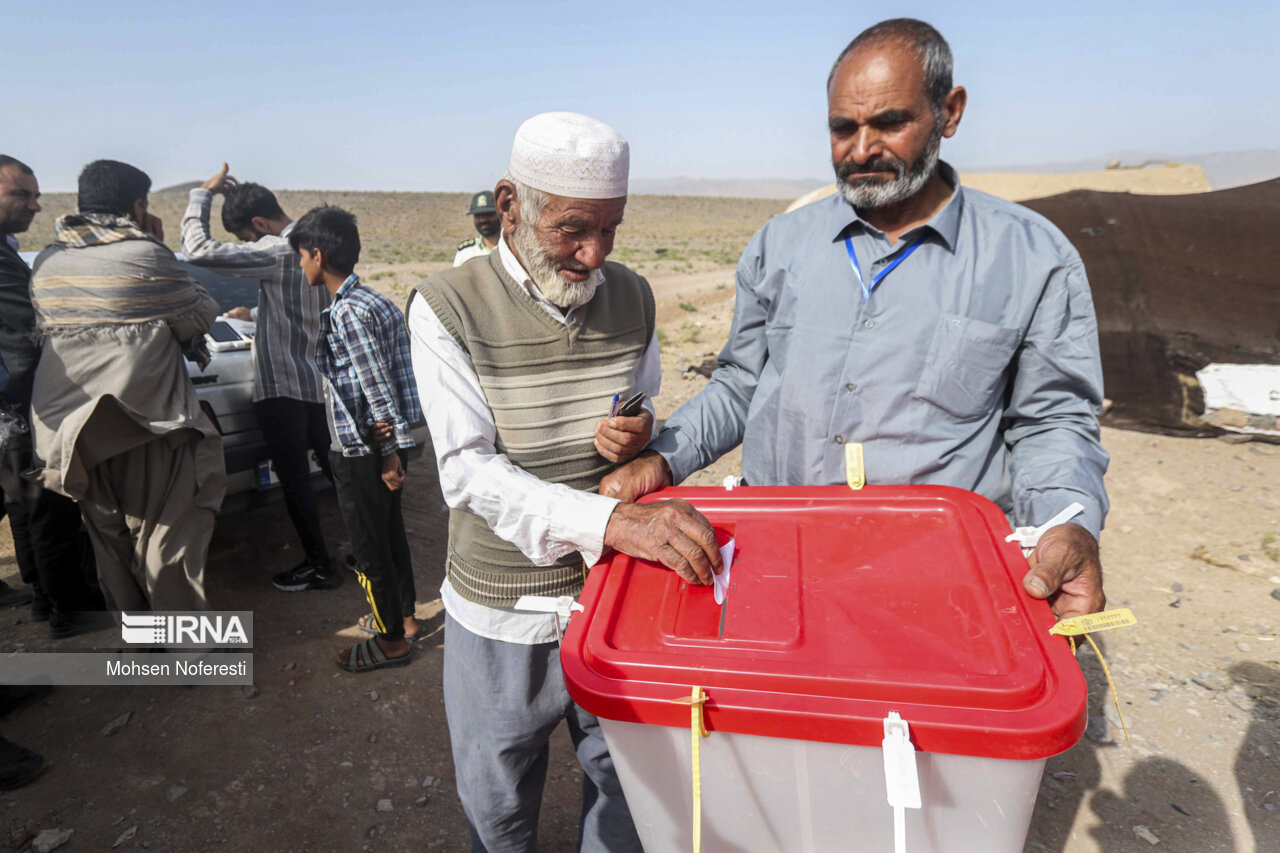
{"x":843,"y":609}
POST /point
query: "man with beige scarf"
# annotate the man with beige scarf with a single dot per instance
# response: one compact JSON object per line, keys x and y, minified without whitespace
{"x":115,"y":417}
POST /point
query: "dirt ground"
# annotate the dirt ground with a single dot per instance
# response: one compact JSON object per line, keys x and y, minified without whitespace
{"x":302,"y":762}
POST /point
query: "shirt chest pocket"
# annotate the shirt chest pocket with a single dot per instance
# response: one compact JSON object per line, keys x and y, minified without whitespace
{"x":967,"y":366}
{"x":336,"y":354}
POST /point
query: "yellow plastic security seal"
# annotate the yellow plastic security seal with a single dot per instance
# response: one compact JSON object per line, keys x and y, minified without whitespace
{"x":698,"y":730}
{"x":1092,"y":622}
{"x":854,"y":471}
{"x":1078,"y":626}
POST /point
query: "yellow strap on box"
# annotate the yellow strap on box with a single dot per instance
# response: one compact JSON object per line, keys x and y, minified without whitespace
{"x":698,"y":730}
{"x":854,"y":471}
{"x":1084,"y":625}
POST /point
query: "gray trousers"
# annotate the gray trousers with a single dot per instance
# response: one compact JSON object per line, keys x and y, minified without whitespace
{"x":149,"y":530}
{"x":503,"y":701}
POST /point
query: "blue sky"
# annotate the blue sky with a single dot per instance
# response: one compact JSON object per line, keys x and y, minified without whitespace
{"x":423,"y":96}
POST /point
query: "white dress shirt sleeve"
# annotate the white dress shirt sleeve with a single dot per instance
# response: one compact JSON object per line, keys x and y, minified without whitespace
{"x":544,"y":520}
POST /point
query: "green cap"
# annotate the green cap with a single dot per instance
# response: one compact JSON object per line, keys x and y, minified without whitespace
{"x":482,"y":202}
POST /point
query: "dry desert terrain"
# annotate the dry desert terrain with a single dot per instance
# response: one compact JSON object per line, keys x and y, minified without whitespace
{"x":302,"y":761}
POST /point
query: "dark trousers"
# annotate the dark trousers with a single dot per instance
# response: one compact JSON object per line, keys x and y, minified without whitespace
{"x":54,"y":554}
{"x":378,"y":541}
{"x":290,"y":428}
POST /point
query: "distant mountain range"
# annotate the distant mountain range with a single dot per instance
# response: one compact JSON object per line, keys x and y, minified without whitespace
{"x":727,"y":187}
{"x":1224,"y":169}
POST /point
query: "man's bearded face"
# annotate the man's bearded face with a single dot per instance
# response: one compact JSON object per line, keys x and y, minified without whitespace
{"x":908,"y":179}
{"x":18,"y":200}
{"x":543,"y":267}
{"x":488,"y":224}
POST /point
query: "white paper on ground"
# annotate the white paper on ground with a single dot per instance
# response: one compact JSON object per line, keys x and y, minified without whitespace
{"x":721,"y":581}
{"x":1243,"y":387}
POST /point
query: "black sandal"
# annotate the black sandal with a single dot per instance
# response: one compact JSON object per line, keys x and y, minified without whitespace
{"x":368,"y":656}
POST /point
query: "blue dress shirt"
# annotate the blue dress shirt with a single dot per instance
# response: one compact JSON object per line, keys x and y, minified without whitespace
{"x":974,"y":363}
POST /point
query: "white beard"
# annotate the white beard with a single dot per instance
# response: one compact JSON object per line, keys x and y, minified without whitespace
{"x":555,"y":288}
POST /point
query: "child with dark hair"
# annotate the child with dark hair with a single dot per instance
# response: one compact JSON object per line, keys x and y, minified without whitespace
{"x":372,"y":400}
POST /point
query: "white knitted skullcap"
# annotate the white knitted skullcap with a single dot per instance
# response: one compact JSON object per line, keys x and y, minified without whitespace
{"x":572,"y":155}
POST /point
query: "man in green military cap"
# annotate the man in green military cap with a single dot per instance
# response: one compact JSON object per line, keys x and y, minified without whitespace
{"x":487,"y":224}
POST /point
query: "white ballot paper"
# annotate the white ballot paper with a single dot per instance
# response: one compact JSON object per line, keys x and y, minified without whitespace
{"x":721,"y":581}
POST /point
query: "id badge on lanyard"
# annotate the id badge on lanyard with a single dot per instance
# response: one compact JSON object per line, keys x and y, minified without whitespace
{"x":857,"y":270}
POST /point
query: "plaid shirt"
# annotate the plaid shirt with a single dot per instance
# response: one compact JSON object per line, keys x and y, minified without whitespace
{"x":364,"y":357}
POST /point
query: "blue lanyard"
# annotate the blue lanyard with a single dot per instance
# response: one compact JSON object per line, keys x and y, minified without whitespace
{"x":857,"y":270}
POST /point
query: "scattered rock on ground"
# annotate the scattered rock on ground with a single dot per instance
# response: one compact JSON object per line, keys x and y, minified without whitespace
{"x":1210,"y":681}
{"x":705,"y":368}
{"x":127,"y":835}
{"x":384,"y":805}
{"x":117,"y":724}
{"x":1099,"y":730}
{"x":251,"y":691}
{"x":51,"y":839}
{"x":174,"y":793}
{"x":1146,"y":835}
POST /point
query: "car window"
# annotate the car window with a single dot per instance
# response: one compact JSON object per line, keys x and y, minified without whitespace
{"x":228,"y":291}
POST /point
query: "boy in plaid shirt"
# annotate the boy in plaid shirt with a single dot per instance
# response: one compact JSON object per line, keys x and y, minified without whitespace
{"x":371,"y":399}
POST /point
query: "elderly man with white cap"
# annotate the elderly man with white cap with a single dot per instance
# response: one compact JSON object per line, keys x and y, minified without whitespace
{"x":520,"y":357}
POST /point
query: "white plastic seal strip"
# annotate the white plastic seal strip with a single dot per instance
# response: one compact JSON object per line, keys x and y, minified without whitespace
{"x":901,"y":778}
{"x":1029,"y":537}
{"x":562,"y":607}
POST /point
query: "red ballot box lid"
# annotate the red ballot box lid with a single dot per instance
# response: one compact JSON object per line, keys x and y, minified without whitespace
{"x":842,"y":607}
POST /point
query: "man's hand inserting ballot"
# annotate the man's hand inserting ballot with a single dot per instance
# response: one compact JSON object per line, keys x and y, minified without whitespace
{"x":669,"y":532}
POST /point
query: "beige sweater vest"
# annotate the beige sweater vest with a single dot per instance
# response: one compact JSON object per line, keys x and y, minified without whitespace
{"x":547,"y":384}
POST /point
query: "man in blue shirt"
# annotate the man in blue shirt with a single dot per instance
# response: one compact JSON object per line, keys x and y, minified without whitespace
{"x":949,"y":332}
{"x":372,"y":400}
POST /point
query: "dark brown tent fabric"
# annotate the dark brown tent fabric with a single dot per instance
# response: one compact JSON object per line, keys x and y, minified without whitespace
{"x":1178,"y":282}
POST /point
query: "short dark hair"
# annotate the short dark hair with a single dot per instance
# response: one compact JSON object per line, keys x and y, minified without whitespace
{"x":333,"y":231}
{"x":6,"y":160}
{"x":109,"y":186}
{"x":241,"y":204}
{"x":931,"y":49}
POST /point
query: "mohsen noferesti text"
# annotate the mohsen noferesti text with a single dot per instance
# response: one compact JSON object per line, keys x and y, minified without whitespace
{"x":133,"y":669}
